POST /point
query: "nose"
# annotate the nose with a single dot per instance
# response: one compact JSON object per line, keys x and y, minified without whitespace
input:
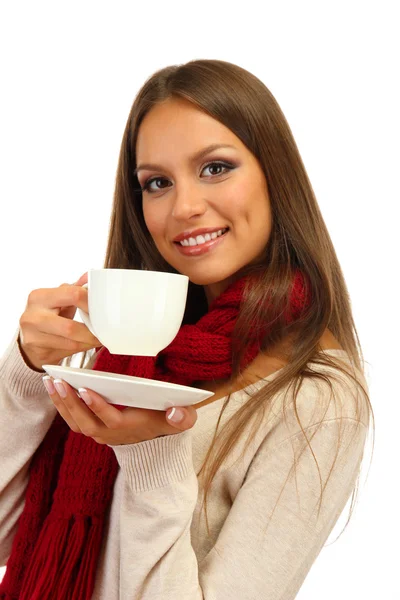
{"x":189,"y":202}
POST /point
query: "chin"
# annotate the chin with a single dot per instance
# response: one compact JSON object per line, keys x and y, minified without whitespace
{"x":208,"y":279}
{"x":199,"y":280}
{"x":201,"y":273}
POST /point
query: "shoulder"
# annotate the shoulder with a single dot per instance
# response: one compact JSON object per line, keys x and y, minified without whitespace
{"x":337,"y":387}
{"x":325,"y":395}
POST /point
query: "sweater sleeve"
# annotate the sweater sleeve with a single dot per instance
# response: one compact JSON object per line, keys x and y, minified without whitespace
{"x":26,"y":415}
{"x":262,"y":551}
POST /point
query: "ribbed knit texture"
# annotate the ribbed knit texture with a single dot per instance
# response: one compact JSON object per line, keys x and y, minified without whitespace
{"x":158,"y":472}
{"x":56,"y":547}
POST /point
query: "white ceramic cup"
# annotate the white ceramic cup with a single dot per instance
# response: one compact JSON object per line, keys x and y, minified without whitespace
{"x":135,"y":312}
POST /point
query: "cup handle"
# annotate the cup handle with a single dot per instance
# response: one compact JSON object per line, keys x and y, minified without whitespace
{"x":85,"y":317}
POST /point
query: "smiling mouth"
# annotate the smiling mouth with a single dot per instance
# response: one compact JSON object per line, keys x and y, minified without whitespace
{"x":202,"y":249}
{"x":200,"y":240}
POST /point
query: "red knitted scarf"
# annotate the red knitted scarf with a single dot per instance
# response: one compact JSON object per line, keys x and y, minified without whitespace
{"x":57,"y":543}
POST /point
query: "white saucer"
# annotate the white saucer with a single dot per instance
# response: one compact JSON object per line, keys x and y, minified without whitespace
{"x":138,"y":392}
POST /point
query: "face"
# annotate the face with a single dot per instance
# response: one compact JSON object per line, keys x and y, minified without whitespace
{"x":224,"y":189}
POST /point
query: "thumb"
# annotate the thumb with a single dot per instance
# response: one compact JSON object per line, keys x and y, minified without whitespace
{"x":182,"y":418}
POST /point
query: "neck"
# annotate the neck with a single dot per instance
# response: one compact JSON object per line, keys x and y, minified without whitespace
{"x":213,"y":290}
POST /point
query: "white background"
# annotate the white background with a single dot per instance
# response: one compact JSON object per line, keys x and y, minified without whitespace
{"x":69,"y":74}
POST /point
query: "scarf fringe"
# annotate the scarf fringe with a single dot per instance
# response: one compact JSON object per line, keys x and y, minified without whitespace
{"x":60,"y":557}
{"x":43,"y":569}
{"x":70,"y":560}
{"x":85,"y":579}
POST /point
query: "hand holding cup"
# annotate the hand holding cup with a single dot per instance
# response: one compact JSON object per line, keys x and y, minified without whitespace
{"x":48,"y":331}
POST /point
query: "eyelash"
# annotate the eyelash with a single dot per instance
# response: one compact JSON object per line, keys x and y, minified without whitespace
{"x":146,"y":185}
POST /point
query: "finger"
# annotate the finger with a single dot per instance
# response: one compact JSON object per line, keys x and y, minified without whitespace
{"x":50,"y":324}
{"x":50,"y":343}
{"x":84,"y":418}
{"x":38,"y":341}
{"x":151,"y":423}
{"x":106,"y":412}
{"x":189,"y":417}
{"x":134,"y":424}
{"x":63,"y":296}
{"x":60,"y":406}
{"x":82,"y":279}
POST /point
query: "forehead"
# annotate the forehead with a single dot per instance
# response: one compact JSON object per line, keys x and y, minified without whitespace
{"x":179,"y":126}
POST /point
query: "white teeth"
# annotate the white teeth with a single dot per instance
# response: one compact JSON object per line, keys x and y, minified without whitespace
{"x":200,"y":239}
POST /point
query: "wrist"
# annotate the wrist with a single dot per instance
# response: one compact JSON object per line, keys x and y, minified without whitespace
{"x":26,"y":359}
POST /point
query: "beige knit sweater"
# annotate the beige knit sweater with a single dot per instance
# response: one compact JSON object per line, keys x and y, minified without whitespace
{"x":156,"y":544}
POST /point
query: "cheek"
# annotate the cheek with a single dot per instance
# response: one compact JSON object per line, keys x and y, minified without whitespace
{"x":153,"y":219}
{"x":246,"y":204}
{"x":235,"y":202}
{"x":250,"y":208}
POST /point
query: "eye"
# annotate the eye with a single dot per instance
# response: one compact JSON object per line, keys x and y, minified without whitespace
{"x":218,"y":164}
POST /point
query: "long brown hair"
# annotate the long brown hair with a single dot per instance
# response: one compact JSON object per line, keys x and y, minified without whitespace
{"x":299,"y":238}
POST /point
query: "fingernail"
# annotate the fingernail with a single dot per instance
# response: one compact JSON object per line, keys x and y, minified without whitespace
{"x":60,"y":388}
{"x":86,"y":397}
{"x":176,"y":415}
{"x":48,"y":384}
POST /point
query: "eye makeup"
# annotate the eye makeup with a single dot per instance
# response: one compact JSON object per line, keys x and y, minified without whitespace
{"x":227,"y":166}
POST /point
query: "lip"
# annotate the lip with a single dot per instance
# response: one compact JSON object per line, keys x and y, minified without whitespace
{"x":202,"y":248}
{"x":194,"y":232}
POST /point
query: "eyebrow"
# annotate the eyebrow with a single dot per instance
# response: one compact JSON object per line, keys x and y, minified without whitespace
{"x":192,"y":159}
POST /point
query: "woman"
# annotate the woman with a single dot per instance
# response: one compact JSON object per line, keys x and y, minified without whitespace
{"x":210,"y":184}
